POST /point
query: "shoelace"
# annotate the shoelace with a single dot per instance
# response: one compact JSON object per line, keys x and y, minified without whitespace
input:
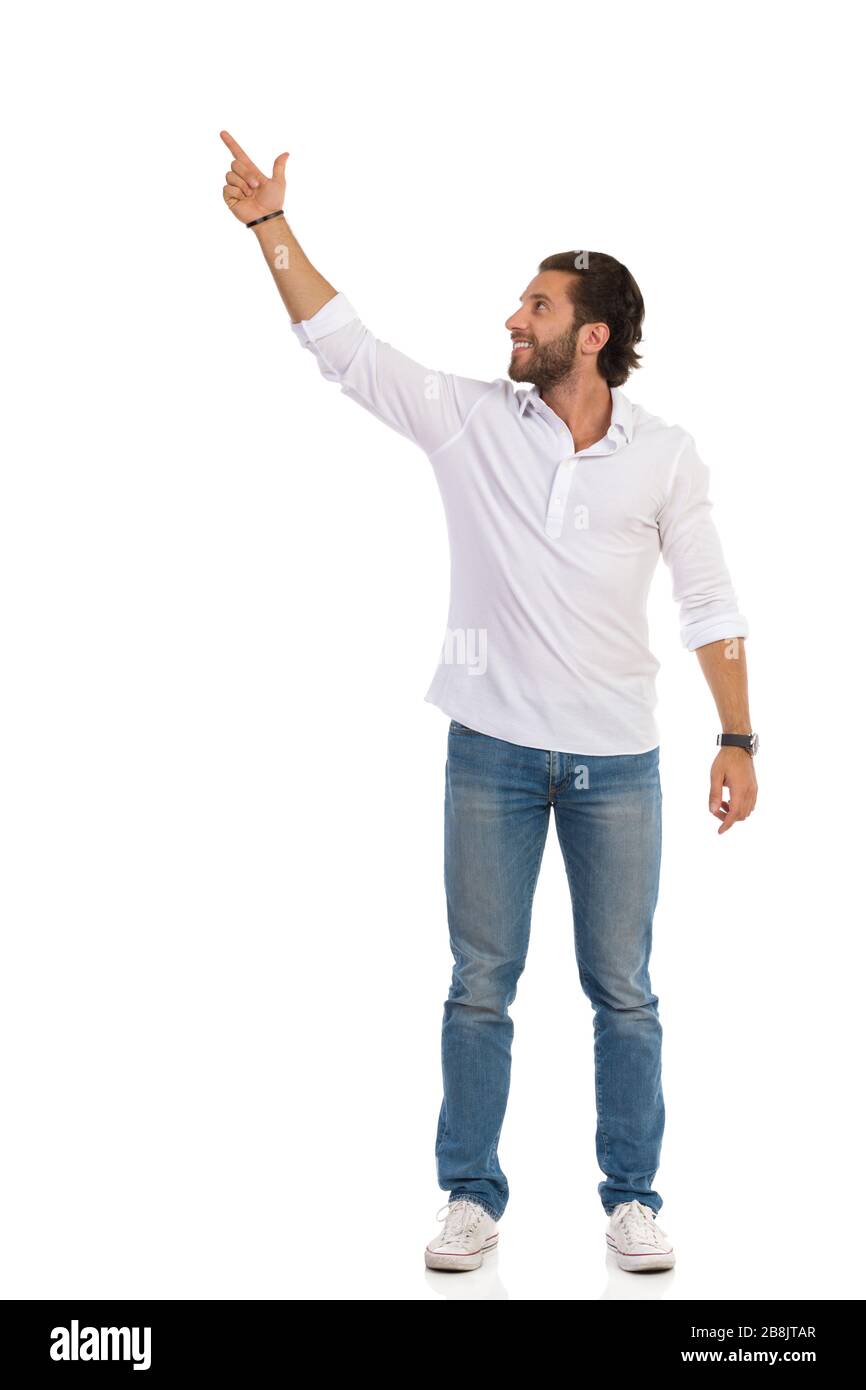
{"x":637,"y":1223}
{"x":462,"y":1218}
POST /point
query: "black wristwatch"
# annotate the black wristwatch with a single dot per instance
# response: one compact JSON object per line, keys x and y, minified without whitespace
{"x":747,"y":741}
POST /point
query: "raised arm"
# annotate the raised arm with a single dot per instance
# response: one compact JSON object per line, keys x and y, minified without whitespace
{"x":427,"y":406}
{"x":251,"y":194}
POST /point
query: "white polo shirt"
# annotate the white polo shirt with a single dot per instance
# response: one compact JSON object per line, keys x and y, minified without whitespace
{"x":552,"y":550}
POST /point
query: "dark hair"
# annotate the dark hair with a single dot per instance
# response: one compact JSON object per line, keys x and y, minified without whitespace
{"x":602,"y":290}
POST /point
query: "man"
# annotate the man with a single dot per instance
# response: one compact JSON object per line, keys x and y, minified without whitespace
{"x":559,"y":501}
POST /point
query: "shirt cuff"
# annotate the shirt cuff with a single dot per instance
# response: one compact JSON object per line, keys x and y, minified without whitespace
{"x":333,"y":315}
{"x":715,"y":632}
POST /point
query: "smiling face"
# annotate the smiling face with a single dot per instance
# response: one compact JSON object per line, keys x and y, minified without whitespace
{"x":544,"y":338}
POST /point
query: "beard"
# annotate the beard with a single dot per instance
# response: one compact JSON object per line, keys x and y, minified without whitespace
{"x":546,"y":365}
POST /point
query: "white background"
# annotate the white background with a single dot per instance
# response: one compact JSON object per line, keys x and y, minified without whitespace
{"x":224,"y":591}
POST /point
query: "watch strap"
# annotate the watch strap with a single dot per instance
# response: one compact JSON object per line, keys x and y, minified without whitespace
{"x":747,"y":741}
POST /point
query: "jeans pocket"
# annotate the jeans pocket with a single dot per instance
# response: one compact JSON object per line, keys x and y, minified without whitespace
{"x":456,"y":728}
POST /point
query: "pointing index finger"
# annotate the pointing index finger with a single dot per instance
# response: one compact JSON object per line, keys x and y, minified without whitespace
{"x":241,"y":154}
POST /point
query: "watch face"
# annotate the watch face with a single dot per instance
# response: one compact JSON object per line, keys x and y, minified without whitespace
{"x":754,"y":744}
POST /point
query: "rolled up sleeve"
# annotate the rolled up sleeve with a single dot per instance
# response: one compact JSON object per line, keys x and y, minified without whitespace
{"x":427,"y":406}
{"x":692,"y":550}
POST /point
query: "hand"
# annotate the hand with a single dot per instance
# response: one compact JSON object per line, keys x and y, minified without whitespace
{"x":248,"y":192}
{"x":733,"y":768}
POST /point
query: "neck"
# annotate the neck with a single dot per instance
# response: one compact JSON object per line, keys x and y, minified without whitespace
{"x":585,"y":404}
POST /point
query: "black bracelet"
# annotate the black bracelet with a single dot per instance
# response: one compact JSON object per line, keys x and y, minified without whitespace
{"x":255,"y":222}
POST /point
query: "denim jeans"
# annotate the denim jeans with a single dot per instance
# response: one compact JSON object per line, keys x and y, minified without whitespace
{"x":498,"y":797}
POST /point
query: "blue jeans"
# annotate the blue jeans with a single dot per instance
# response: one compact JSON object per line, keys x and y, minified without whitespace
{"x":498,"y":797}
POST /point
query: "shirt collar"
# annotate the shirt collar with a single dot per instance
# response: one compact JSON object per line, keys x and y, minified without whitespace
{"x":622,"y":414}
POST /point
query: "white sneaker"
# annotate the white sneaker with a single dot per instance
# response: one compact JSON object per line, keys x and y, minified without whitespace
{"x":636,"y":1239}
{"x":467,"y":1235}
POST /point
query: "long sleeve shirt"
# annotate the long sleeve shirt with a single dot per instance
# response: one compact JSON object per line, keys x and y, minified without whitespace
{"x":552,"y":549}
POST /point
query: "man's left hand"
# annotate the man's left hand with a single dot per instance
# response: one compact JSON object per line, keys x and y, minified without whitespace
{"x":733,"y":768}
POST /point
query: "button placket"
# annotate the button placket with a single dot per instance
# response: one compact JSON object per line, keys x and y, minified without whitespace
{"x":559,"y":494}
{"x":558,"y":497}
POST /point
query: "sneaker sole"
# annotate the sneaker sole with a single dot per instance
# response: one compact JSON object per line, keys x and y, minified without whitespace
{"x":665,"y":1259}
{"x":435,"y":1259}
